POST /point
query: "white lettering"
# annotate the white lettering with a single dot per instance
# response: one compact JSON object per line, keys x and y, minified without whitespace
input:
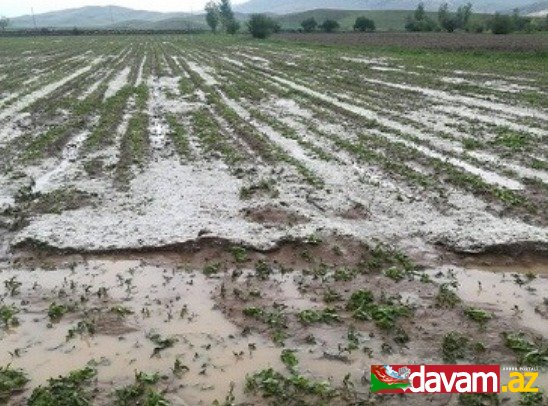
{"x":476,"y":376}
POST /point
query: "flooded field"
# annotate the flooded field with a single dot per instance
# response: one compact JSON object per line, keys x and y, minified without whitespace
{"x":195,"y":220}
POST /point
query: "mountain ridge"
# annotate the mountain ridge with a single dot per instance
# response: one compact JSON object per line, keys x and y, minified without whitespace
{"x":92,"y":17}
{"x":295,"y":6}
{"x":122,"y":17}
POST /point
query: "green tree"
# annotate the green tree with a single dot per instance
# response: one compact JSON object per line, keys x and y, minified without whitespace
{"x":4,"y":23}
{"x":364,"y":24}
{"x":212,"y":15}
{"x":420,"y":21}
{"x":502,"y":24}
{"x":445,"y":19}
{"x":420,"y":12}
{"x":463,"y":15}
{"x":233,"y":27}
{"x":261,"y":25}
{"x":226,"y":14}
{"x":443,"y":13}
{"x":329,"y":25}
{"x":309,"y":25}
{"x":519,"y":23}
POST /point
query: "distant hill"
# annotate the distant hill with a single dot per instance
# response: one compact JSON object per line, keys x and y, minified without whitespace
{"x":293,"y":6}
{"x":538,"y":9}
{"x":175,"y":23}
{"x":195,"y":21}
{"x":94,"y":17}
{"x":114,"y":18}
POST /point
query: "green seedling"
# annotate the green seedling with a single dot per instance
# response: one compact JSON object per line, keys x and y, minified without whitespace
{"x":311,"y":316}
{"x":446,"y":297}
{"x":530,"y":353}
{"x":12,"y":285}
{"x":395,"y":273}
{"x":161,"y":343}
{"x":239,"y":253}
{"x":12,"y":381}
{"x":263,"y":270}
{"x":56,"y":312}
{"x":344,"y":274}
{"x":295,"y":388}
{"x":478,"y":315}
{"x":179,"y":368}
{"x":212,"y":269}
{"x":532,"y":398}
{"x":71,"y":390}
{"x":289,"y":359}
{"x":454,"y":347}
{"x":353,"y":338}
{"x":81,"y":328}
{"x":141,"y":392}
{"x":121,"y":311}
{"x":384,"y":313}
{"x":330,"y":296}
{"x":8,"y":316}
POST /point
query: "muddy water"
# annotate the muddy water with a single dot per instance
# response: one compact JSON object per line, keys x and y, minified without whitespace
{"x":504,"y":291}
{"x":173,"y":302}
{"x":515,"y":292}
{"x":176,"y":302}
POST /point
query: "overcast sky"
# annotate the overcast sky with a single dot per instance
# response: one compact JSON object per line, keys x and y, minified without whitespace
{"x":13,"y":8}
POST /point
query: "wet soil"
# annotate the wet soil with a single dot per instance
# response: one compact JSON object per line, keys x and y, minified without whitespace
{"x":442,"y":41}
{"x":197,"y":298}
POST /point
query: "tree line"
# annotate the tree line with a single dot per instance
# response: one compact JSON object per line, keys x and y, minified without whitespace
{"x":462,"y":20}
{"x":219,"y":16}
{"x":362,"y":24}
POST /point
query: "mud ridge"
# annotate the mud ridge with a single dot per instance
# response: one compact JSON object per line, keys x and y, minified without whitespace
{"x":517,"y":249}
{"x":523,"y":252}
{"x":189,"y":246}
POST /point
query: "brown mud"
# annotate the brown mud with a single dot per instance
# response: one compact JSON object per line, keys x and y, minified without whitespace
{"x":201,"y":295}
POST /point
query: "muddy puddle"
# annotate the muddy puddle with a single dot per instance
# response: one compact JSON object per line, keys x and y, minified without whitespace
{"x":185,"y":318}
{"x":127,"y":302}
{"x":139,"y":301}
{"x":504,"y":290}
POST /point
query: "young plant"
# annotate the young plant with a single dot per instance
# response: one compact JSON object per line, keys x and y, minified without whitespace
{"x":454,"y":347}
{"x":311,"y":316}
{"x":73,"y":389}
{"x":478,"y":315}
{"x":56,"y":312}
{"x":8,"y":316}
{"x":446,"y":297}
{"x":530,"y":353}
{"x":11,"y":381}
{"x":12,"y":285}
{"x":161,"y":343}
{"x":141,"y":392}
{"x":239,"y":253}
